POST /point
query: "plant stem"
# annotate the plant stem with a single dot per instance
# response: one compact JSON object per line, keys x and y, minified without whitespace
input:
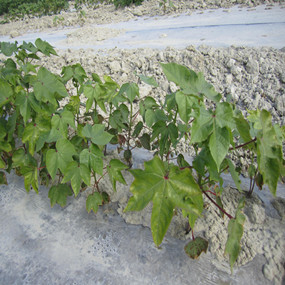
{"x":242,"y":145}
{"x":221,"y":209}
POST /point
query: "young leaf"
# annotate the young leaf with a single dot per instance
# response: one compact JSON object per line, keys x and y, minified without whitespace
{"x":76,"y":173}
{"x":243,"y":128}
{"x":58,"y":194}
{"x":235,"y":232}
{"x":114,"y":170}
{"x":93,"y":202}
{"x":131,"y":90}
{"x":167,"y":190}
{"x":195,"y":247}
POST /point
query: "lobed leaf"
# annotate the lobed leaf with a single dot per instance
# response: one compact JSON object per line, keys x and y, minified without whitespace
{"x":167,"y":189}
{"x":93,"y":202}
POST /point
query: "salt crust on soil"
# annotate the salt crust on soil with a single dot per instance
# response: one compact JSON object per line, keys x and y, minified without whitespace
{"x":254,"y":76}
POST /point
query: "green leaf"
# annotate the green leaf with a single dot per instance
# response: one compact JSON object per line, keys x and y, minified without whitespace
{"x":219,"y":144}
{"x":8,"y":48}
{"x":22,"y":100}
{"x":235,"y":175}
{"x":93,"y":202}
{"x":148,"y":80}
{"x":2,"y":162}
{"x":30,"y":174}
{"x":243,"y":128}
{"x":5,"y":146}
{"x":235,"y":232}
{"x":6,"y":92}
{"x":76,"y":173}
{"x":3,"y":179}
{"x":269,"y":152}
{"x":202,"y":126}
{"x":34,"y":130}
{"x":114,"y":170}
{"x":167,"y":189}
{"x":131,"y":90}
{"x":137,"y":129}
{"x":59,"y":158}
{"x":145,"y":141}
{"x":47,"y":86}
{"x":224,"y":115}
{"x":58,"y":194}
{"x":195,"y":247}
{"x":97,"y":134}
{"x":94,"y":94}
{"x":190,"y":82}
{"x":185,"y":103}
{"x":45,"y":47}
{"x":92,"y":157}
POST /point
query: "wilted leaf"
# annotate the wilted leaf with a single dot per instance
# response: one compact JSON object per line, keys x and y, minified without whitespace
{"x":195,"y":247}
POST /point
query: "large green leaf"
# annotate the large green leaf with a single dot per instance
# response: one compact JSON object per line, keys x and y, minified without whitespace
{"x":58,"y":194}
{"x":76,"y":173}
{"x":190,"y":82}
{"x":97,"y":134}
{"x":48,"y":86}
{"x":114,"y":170}
{"x":235,"y":232}
{"x":59,"y":158}
{"x":167,"y":189}
{"x":93,"y":202}
{"x":219,"y":144}
{"x":269,"y":152}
